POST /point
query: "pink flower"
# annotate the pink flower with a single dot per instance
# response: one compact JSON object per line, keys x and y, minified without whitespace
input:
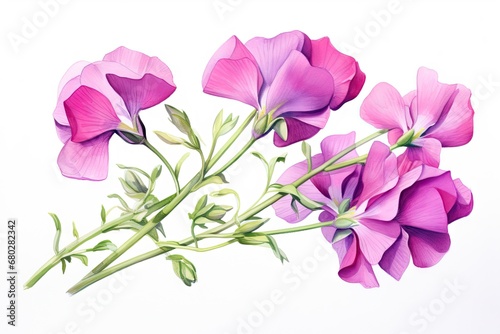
{"x":436,"y":115}
{"x":380,"y":213}
{"x":99,"y":99}
{"x":291,"y":80}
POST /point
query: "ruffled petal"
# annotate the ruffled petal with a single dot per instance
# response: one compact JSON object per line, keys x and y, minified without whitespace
{"x":271,"y":53}
{"x":425,"y":150}
{"x":375,"y":237}
{"x":384,"y":108}
{"x":427,"y":248}
{"x":299,"y":88}
{"x":139,"y":94}
{"x":87,"y":160}
{"x":456,"y":127}
{"x":397,"y":258}
{"x":90,"y":114}
{"x":464,"y":203}
{"x":423,"y":209}
{"x":432,"y":98}
{"x":347,"y":77}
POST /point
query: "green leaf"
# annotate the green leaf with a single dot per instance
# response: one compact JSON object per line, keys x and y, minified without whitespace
{"x":155,"y":174}
{"x":103,"y":214}
{"x":272,"y":165}
{"x":102,"y":246}
{"x":138,"y":170}
{"x":170,"y":139}
{"x":202,"y":202}
{"x":123,"y":203}
{"x":75,"y":231}
{"x":344,"y":206}
{"x":214,"y":179}
{"x":57,"y":237}
{"x":277,"y":251}
{"x":217,"y":125}
{"x":298,"y":196}
{"x":82,"y":258}
{"x":228,"y":125}
{"x":341,"y":234}
{"x":306,"y":150}
{"x":179,"y":164}
{"x":263,"y":239}
{"x":63,"y":263}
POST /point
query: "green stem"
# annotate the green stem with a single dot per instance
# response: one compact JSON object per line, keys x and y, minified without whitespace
{"x":166,"y":163}
{"x":216,"y":230}
{"x":197,"y":249}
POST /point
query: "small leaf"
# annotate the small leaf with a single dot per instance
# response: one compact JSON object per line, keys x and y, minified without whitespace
{"x":63,"y":263}
{"x":82,"y":258}
{"x":75,"y":231}
{"x":102,"y":246}
{"x":103,"y":214}
{"x":155,"y":174}
{"x":202,"y":202}
{"x":228,"y":125}
{"x":306,"y":150}
{"x":214,"y":179}
{"x":57,"y":237}
{"x":179,"y":164}
{"x":170,"y":139}
{"x":138,"y":170}
{"x":123,"y":203}
{"x":341,"y":234}
{"x":217,"y":125}
{"x":344,"y":206}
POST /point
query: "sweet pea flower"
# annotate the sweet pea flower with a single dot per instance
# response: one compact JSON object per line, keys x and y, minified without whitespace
{"x":435,"y":115}
{"x":291,"y":80}
{"x":101,"y":98}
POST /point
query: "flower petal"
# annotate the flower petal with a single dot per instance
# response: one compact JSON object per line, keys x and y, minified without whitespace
{"x":347,"y":77}
{"x":397,"y":258}
{"x":384,"y":108}
{"x":456,"y":127}
{"x":427,"y":247}
{"x":139,"y":94}
{"x":375,"y":237}
{"x":464,"y":204}
{"x":87,"y":160}
{"x":271,"y":53}
{"x":90,"y":114}
{"x":297,"y":131}
{"x":423,"y":208}
{"x":299,"y":88}
{"x":425,"y":150}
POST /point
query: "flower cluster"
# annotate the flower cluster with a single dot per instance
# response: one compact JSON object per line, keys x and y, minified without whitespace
{"x":386,"y":208}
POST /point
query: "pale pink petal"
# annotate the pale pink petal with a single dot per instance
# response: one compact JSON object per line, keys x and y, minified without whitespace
{"x":432,"y":97}
{"x":427,"y":248}
{"x":139,"y":94}
{"x":384,"y":108}
{"x":140,"y":63}
{"x":73,"y":72}
{"x":375,"y":237}
{"x":235,"y":79}
{"x":456,"y":128}
{"x":397,"y":258}
{"x":90,"y":114}
{"x":271,"y":53}
{"x":426,"y":150}
{"x":347,"y":77}
{"x":299,"y":88}
{"x":63,"y":132}
{"x":87,"y":160}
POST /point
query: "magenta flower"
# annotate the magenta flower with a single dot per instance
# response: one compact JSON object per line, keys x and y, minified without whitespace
{"x":291,"y":80}
{"x":379,"y":213}
{"x":99,"y":99}
{"x":435,"y":115}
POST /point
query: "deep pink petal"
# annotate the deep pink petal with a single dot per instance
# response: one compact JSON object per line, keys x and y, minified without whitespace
{"x":464,"y":204}
{"x":87,"y":160}
{"x":432,"y":97}
{"x":271,"y":53}
{"x":380,"y":173}
{"x":384,"y":108}
{"x":427,"y":248}
{"x":139,"y":94}
{"x":90,"y":114}
{"x":423,"y":209}
{"x":375,"y":237}
{"x":354,"y":268}
{"x":397,"y":258}
{"x":456,"y":128}
{"x":347,"y":77}
{"x":426,"y":150}
{"x":441,"y":181}
{"x":299,"y":88}
{"x":297,"y":131}
{"x":235,"y":79}
{"x":140,"y":63}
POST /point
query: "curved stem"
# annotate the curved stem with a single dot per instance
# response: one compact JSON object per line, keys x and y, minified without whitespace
{"x":197,"y":249}
{"x":166,"y":163}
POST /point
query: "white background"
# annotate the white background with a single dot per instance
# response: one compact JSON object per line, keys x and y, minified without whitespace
{"x":242,"y":289}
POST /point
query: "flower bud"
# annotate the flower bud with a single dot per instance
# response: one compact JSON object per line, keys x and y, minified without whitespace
{"x":183,"y":268}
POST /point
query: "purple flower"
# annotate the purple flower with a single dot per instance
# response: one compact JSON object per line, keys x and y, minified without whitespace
{"x":436,"y":115}
{"x":99,"y":99}
{"x":380,"y":212}
{"x":291,"y":80}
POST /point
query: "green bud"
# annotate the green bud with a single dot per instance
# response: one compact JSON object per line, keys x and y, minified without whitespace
{"x":251,"y":226}
{"x":183,"y":268}
{"x":260,"y":126}
{"x":179,"y":119}
{"x":406,"y":139}
{"x":253,"y":240}
{"x":218,"y":212}
{"x":343,"y":223}
{"x":135,"y":182}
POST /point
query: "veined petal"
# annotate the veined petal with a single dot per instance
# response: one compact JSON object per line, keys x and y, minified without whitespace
{"x":464,"y":204}
{"x":238,"y":79}
{"x":354,"y":267}
{"x":432,"y":97}
{"x":427,"y":247}
{"x":271,"y":53}
{"x":397,"y":258}
{"x":297,"y":131}
{"x":140,"y":63}
{"x":426,"y":150}
{"x":63,"y":132}
{"x":456,"y":128}
{"x":139,"y":94}
{"x":299,"y":88}
{"x":62,"y":124}
{"x":423,"y":209}
{"x":87,"y":160}
{"x":90,"y":114}
{"x":347,"y":77}
{"x":384,"y":108}
{"x":375,"y":237}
